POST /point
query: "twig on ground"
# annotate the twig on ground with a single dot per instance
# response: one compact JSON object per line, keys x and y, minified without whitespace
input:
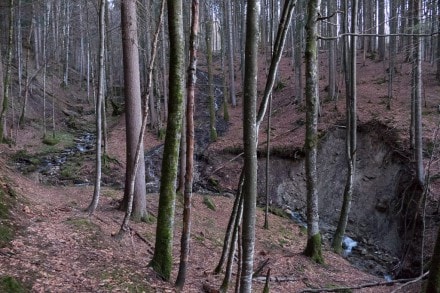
{"x":367,"y":285}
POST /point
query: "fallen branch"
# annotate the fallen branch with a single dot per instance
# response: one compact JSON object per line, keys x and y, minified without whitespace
{"x":411,"y":282}
{"x":279,"y":279}
{"x":368,"y":285}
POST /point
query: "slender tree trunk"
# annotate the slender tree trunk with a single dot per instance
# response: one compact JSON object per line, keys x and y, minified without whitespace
{"x":417,"y":86}
{"x":381,"y":40}
{"x":250,"y":140}
{"x":7,"y":79}
{"x":350,"y":140}
{"x":392,"y":51}
{"x":163,"y":259}
{"x":313,"y":248}
{"x":438,"y":40}
{"x":133,"y":116}
{"x":229,"y":27}
{"x":191,"y":83}
{"x":99,"y":103}
{"x":212,"y":128}
{"x":67,"y":44}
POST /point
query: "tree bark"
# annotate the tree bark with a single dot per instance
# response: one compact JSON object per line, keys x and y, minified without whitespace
{"x":191,"y":83}
{"x":313,"y":248}
{"x":7,"y":79}
{"x":99,"y":103}
{"x":133,"y":116}
{"x":162,"y":259}
{"x":212,"y":128}
{"x":250,"y":141}
{"x":229,"y":27}
{"x":351,"y":137}
{"x":417,"y":87}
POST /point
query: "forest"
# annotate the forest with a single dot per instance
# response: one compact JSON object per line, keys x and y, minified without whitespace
{"x":219,"y":146}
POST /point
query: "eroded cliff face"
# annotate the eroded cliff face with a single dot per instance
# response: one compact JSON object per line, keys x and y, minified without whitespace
{"x":382,"y":192}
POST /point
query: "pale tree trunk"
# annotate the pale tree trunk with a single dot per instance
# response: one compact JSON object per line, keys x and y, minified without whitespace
{"x":190,"y":87}
{"x":7,"y":79}
{"x":99,"y":103}
{"x":351,"y":137}
{"x":45,"y":36}
{"x":133,"y":116}
{"x":35,"y":26}
{"x":230,"y":42}
{"x":278,"y":49}
{"x":250,"y":143}
{"x":162,"y":261}
{"x":313,"y":248}
{"x":417,"y":88}
{"x":138,"y":155}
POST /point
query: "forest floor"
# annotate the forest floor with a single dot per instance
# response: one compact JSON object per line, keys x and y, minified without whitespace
{"x":57,"y":247}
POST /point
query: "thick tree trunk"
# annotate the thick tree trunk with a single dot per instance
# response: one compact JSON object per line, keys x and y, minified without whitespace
{"x":133,"y":116}
{"x":162,"y":261}
{"x":417,"y":87}
{"x":313,"y":248}
{"x":250,"y":139}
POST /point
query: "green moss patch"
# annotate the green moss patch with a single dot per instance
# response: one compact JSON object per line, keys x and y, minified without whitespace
{"x":11,"y":285}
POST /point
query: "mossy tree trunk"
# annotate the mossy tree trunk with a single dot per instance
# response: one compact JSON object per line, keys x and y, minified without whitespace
{"x":250,"y":145}
{"x":191,"y":84}
{"x":351,"y":137}
{"x":313,"y":248}
{"x":162,"y":261}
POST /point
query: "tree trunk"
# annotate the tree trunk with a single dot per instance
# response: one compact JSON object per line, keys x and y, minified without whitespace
{"x":99,"y":103}
{"x":208,"y":35}
{"x":381,"y":41}
{"x":350,"y":139}
{"x":7,"y":79}
{"x":191,"y":83}
{"x":162,"y":259}
{"x":133,"y":116}
{"x":250,"y":139}
{"x":438,"y":41}
{"x":313,"y":248}
{"x":229,"y":27}
{"x":417,"y":86}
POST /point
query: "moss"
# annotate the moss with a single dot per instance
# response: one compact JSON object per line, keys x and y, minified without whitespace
{"x":209,"y":203}
{"x":314,"y":249}
{"x":11,"y":285}
{"x":50,"y":140}
{"x":279,"y":86}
